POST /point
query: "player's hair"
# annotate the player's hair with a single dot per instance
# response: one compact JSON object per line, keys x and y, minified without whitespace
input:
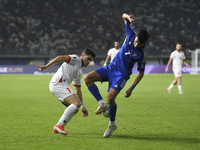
{"x":88,"y":51}
{"x":143,"y":36}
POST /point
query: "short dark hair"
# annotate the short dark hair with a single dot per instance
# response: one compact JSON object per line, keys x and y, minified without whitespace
{"x":143,"y":36}
{"x":88,"y":51}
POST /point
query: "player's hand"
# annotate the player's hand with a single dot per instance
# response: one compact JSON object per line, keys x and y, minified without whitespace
{"x":131,"y":18}
{"x":166,"y":70}
{"x":128,"y":92}
{"x":84,"y":111}
{"x":41,"y":68}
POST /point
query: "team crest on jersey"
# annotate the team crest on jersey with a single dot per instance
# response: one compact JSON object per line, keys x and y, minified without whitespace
{"x":134,"y":54}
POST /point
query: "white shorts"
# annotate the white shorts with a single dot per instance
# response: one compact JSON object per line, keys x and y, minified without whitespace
{"x":60,"y":91}
{"x":177,"y":72}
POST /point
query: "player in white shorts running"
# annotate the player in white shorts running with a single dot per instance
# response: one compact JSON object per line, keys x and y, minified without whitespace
{"x":69,"y":72}
{"x":112,"y":53}
{"x":178,"y":59}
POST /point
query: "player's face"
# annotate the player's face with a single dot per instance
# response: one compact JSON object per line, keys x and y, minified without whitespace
{"x":178,"y":47}
{"x":86,"y":59}
{"x":137,"y":43}
{"x":116,"y":45}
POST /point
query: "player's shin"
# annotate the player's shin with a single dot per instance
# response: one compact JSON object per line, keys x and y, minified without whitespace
{"x":112,"y":114}
{"x":69,"y":112}
{"x":95,"y":92}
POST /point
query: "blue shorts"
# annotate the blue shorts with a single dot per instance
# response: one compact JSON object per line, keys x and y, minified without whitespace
{"x":114,"y":77}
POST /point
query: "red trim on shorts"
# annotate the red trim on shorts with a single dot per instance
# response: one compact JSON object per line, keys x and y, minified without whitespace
{"x":60,"y":81}
{"x":76,"y":85}
{"x":69,"y":59}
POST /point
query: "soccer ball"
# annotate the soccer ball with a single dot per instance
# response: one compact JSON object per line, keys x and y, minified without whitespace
{"x":106,"y":113}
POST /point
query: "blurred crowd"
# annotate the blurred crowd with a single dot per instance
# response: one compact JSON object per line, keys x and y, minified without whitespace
{"x":52,"y":27}
{"x":169,"y":22}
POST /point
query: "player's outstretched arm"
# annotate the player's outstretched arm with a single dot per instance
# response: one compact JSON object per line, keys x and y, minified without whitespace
{"x":137,"y":80}
{"x":56,"y":60}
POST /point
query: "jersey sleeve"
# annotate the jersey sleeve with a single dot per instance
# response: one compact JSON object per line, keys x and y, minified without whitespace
{"x":141,"y":65}
{"x":109,"y":52}
{"x":172,"y":55}
{"x":130,"y":29}
{"x":77,"y":80}
{"x":73,"y":59}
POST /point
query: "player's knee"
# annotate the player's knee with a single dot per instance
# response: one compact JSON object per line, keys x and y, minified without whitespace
{"x":174,"y":82}
{"x":77,"y":103}
{"x":86,"y":79}
{"x":110,"y":99}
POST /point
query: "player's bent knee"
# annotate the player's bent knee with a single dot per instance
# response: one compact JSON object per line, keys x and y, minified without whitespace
{"x":86,"y":79}
{"x":111,"y":100}
{"x":77,"y":103}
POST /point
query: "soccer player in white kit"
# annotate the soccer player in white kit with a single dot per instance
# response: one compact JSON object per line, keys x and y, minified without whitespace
{"x":69,"y":72}
{"x":112,"y":53}
{"x":178,"y":58}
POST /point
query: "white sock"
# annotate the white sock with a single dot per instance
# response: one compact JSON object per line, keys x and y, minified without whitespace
{"x":101,"y":101}
{"x":68,"y":114}
{"x":171,"y":86}
{"x":69,"y":118}
{"x":111,"y":123}
{"x":179,"y":88}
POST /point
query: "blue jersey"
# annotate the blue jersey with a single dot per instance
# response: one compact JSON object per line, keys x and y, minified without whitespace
{"x":128,"y":55}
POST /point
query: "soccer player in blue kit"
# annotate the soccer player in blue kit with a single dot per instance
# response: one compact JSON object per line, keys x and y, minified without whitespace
{"x":117,"y":73}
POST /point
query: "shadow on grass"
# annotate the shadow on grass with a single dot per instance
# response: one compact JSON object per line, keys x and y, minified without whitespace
{"x":159,"y":138}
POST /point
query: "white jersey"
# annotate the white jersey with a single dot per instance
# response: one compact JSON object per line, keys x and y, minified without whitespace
{"x":70,"y":72}
{"x":177,"y":58}
{"x":112,"y":53}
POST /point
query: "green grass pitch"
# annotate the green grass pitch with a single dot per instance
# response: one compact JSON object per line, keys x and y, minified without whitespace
{"x":151,"y":119}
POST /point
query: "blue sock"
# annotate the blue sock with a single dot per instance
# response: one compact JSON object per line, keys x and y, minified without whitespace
{"x":95,"y":92}
{"x":112,"y":110}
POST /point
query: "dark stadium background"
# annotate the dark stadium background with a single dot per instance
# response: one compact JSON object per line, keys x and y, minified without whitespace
{"x":34,"y":31}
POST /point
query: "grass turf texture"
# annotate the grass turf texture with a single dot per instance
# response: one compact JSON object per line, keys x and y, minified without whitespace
{"x":151,"y":119}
